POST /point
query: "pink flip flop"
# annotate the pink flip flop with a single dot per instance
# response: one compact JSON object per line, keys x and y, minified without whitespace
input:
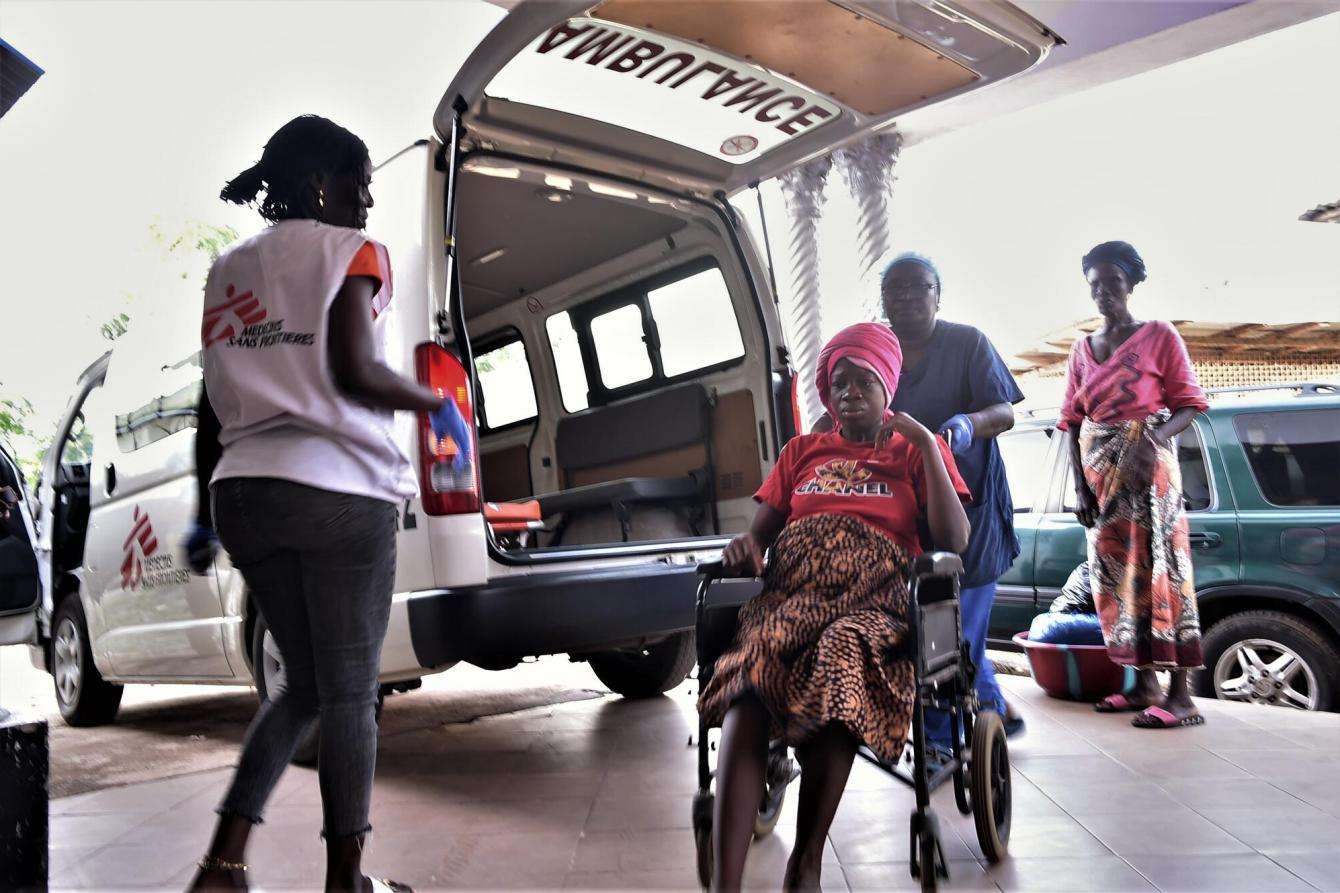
{"x":1159,"y":718}
{"x":1117,"y":704}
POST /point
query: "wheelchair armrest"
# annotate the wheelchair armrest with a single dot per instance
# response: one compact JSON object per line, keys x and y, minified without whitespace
{"x":937,"y":564}
{"x":711,"y":569}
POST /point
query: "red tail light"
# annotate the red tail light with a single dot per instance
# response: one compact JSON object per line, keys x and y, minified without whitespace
{"x":446,"y":490}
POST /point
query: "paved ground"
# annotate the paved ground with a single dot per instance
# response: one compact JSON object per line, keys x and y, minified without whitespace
{"x":596,"y":793}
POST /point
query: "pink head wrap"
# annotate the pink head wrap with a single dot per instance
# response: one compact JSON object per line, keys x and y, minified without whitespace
{"x":869,"y":345}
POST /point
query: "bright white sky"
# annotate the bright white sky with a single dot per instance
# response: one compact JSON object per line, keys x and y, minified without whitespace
{"x":147,"y":108}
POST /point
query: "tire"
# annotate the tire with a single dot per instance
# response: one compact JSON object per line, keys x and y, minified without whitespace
{"x":1242,"y":650}
{"x":928,"y":853}
{"x":702,"y":837}
{"x":781,"y":772}
{"x":267,"y":668}
{"x":991,"y":791}
{"x":84,"y":697}
{"x":647,"y":672}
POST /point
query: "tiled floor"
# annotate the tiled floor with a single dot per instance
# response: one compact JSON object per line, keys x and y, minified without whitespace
{"x":595,"y":795}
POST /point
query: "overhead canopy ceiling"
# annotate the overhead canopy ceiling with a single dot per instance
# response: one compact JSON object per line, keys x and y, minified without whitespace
{"x":1107,"y":40}
{"x":542,"y":241}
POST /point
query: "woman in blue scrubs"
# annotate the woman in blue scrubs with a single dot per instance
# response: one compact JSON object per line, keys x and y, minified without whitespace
{"x":954,"y":382}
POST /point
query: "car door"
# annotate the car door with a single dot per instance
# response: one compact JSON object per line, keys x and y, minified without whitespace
{"x":1029,"y":453}
{"x":155,"y":619}
{"x":21,"y":580}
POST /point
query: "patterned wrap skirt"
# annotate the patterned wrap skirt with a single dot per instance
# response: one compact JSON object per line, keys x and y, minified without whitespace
{"x":826,"y":639}
{"x":1139,"y":550}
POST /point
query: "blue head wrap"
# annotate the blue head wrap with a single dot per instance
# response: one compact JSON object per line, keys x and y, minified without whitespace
{"x":911,"y":257}
{"x":1121,"y":254}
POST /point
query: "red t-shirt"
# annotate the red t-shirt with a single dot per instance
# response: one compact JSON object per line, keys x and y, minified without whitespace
{"x":826,"y":474}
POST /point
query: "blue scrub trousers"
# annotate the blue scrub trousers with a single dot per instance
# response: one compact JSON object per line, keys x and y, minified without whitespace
{"x":975,"y":607}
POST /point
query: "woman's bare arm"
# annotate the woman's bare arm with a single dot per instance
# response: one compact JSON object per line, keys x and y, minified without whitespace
{"x":992,"y":422}
{"x":353,"y":354}
{"x":745,"y":552}
{"x":1180,"y":421}
{"x":944,"y":510}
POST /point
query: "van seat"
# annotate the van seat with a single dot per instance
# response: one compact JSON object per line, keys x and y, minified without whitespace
{"x":605,"y":454}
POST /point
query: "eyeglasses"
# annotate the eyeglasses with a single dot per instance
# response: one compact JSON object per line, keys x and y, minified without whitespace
{"x":911,"y":289}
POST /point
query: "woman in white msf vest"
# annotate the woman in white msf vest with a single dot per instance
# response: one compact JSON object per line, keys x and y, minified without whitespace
{"x":300,"y":474}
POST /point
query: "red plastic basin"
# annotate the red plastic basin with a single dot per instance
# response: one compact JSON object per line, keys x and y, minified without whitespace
{"x":1075,"y":672}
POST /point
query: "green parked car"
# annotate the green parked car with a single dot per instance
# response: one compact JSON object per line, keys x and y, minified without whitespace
{"x":1261,"y":475}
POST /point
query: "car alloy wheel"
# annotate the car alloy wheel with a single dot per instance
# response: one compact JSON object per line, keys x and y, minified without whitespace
{"x":1261,"y":671}
{"x":67,"y":660}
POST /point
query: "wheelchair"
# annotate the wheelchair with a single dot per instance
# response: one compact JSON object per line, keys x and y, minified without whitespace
{"x":944,"y":676}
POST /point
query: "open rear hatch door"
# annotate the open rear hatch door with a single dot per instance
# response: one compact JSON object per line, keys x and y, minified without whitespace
{"x":712,"y":95}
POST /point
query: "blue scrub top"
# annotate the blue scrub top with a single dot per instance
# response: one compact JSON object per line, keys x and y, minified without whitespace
{"x":962,"y":372}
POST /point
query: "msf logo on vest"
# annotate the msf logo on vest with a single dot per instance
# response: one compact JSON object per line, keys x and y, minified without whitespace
{"x":231,"y":318}
{"x":136,"y":551}
{"x":143,"y":566}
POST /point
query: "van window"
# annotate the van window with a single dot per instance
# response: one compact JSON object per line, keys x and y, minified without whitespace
{"x":645,"y":336}
{"x":621,"y":347}
{"x":695,"y":322}
{"x":567,"y":351}
{"x":78,"y":446}
{"x":1292,"y":455}
{"x":505,"y":384}
{"x":1024,"y":452}
{"x":165,"y":414}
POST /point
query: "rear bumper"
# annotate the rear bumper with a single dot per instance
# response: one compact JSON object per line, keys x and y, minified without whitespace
{"x":554,"y":613}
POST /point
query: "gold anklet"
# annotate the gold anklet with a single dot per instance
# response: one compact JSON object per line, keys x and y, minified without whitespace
{"x":212,"y":863}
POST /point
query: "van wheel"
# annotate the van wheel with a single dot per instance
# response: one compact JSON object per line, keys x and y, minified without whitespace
{"x":267,"y":668}
{"x":1269,"y":658}
{"x":647,"y":671}
{"x":84,"y":697}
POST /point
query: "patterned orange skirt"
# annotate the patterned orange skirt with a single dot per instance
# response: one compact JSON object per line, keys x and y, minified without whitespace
{"x":826,"y":640}
{"x":1140,"y":551}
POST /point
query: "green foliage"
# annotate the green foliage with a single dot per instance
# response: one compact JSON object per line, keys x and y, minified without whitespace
{"x":194,"y":237}
{"x":115,"y":327}
{"x":23,"y":443}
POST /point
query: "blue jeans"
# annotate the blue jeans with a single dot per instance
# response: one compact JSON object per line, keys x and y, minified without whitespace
{"x":975,"y":607}
{"x":320,"y":566}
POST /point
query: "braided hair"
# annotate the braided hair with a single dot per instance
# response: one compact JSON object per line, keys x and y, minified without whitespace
{"x":305,"y":147}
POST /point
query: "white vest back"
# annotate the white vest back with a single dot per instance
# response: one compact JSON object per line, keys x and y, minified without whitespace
{"x":267,"y":367}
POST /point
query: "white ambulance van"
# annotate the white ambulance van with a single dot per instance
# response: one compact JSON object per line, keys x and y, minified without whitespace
{"x":568,"y":264}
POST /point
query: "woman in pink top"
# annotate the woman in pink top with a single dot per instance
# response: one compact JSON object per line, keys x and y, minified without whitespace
{"x":1130,"y":391}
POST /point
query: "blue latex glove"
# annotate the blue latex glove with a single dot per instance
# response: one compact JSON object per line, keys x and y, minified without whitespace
{"x":202,"y":544}
{"x":447,"y":422}
{"x":960,"y":431}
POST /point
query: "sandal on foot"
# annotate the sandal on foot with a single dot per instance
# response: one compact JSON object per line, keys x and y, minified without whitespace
{"x":386,"y":885}
{"x":1118,"y":703}
{"x":1159,"y":718}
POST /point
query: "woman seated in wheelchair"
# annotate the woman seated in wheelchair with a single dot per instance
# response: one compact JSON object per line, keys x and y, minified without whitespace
{"x":819,"y":658}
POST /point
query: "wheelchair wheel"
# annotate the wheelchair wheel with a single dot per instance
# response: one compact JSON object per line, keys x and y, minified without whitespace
{"x":963,"y":774}
{"x":782,"y":770}
{"x":990,"y":785}
{"x":702,"y":836}
{"x":926,"y":849}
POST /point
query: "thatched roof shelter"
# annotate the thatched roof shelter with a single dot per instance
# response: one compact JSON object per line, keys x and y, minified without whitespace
{"x":1224,"y":354}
